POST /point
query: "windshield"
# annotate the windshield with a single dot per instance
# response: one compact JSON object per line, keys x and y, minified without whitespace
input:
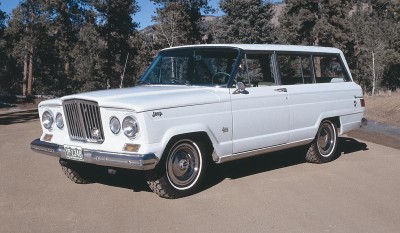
{"x":192,"y":66}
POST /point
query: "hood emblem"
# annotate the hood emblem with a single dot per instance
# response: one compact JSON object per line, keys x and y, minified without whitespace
{"x":155,"y":114}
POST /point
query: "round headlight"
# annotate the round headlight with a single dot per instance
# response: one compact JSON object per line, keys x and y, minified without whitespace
{"x":130,"y":126}
{"x":115,"y":126}
{"x":59,"y":121}
{"x":47,"y":119}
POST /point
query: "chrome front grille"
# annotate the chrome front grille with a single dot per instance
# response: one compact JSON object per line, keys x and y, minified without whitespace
{"x":83,"y":120}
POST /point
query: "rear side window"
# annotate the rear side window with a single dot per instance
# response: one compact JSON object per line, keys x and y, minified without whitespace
{"x":329,"y":69}
{"x":295,"y":69}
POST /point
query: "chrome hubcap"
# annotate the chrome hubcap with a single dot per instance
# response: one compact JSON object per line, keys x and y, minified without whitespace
{"x":326,"y":139}
{"x":183,"y":165}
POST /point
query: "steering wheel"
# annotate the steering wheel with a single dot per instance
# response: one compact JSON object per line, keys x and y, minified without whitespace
{"x":218,"y":73}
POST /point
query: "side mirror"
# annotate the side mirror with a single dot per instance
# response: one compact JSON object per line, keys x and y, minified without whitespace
{"x":241,"y":89}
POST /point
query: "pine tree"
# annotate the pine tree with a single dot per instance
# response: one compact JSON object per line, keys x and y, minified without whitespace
{"x":388,"y":13}
{"x":318,"y":23}
{"x":172,"y":26}
{"x":3,"y":53}
{"x":246,"y":22}
{"x":72,"y":45}
{"x":118,"y":30}
{"x":67,"y":17}
{"x":3,"y":17}
{"x":375,"y":30}
{"x":26,"y":29}
{"x":88,"y":73}
{"x":188,"y":15}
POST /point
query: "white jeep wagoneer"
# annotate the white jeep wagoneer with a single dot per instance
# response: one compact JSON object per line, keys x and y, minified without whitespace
{"x":204,"y":104}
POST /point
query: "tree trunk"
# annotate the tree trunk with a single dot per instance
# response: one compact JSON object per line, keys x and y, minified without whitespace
{"x":317,"y":60}
{"x":30,"y":75}
{"x":25,"y":74}
{"x":66,"y":66}
{"x":373,"y":73}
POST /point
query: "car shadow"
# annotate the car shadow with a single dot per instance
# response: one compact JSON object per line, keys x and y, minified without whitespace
{"x":135,"y":180}
{"x":351,"y":145}
{"x":18,"y":116}
{"x":123,"y":178}
{"x":273,"y":161}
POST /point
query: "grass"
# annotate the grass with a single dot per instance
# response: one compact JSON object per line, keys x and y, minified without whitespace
{"x":384,"y":108}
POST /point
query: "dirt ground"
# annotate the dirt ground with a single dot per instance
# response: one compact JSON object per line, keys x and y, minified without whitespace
{"x":384,"y":108}
{"x":277,"y":192}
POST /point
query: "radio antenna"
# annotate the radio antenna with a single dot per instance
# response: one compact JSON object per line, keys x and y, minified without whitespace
{"x":123,"y":72}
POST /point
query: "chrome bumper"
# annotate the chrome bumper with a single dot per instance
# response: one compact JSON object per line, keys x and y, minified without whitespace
{"x":103,"y":158}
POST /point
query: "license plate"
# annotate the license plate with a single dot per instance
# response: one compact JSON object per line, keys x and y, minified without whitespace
{"x":73,"y":152}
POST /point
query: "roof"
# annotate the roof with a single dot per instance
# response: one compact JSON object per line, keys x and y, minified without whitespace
{"x":266,"y":47}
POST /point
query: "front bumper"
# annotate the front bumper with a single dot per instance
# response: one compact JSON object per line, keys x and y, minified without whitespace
{"x":103,"y":158}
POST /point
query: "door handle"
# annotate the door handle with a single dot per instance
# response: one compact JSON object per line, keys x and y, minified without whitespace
{"x":281,"y":90}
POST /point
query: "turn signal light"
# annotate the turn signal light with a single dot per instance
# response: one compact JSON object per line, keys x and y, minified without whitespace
{"x":47,"y":137}
{"x":131,"y":147}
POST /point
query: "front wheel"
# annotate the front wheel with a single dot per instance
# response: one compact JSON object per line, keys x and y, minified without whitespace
{"x":179,"y":173}
{"x":323,"y":148}
{"x":75,"y":172}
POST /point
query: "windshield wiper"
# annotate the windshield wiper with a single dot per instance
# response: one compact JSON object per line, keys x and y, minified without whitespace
{"x":143,"y":82}
{"x":180,"y":82}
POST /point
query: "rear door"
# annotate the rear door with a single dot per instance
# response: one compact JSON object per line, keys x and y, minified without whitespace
{"x":316,"y":86}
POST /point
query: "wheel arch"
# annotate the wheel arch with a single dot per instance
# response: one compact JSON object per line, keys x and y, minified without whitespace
{"x":197,"y":136}
{"x":335,"y":119}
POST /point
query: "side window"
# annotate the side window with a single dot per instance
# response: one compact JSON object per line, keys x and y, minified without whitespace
{"x":295,"y":69}
{"x":329,"y":69}
{"x":256,"y":70}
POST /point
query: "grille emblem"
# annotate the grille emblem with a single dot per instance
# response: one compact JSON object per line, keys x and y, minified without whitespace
{"x":96,"y":133}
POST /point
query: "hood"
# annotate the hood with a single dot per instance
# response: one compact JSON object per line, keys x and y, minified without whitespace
{"x":146,"y":98}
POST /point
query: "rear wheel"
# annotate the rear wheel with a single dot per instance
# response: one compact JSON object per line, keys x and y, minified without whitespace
{"x":323,"y":148}
{"x":180,"y":172}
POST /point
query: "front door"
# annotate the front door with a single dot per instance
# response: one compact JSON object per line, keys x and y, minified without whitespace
{"x":261,"y":113}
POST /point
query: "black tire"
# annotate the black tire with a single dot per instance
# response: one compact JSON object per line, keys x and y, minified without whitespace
{"x":74,"y":172}
{"x":323,"y":148}
{"x":181,"y":170}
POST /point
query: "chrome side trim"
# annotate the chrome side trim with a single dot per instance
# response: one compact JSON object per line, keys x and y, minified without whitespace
{"x":103,"y":158}
{"x":261,"y":151}
{"x":50,"y":106}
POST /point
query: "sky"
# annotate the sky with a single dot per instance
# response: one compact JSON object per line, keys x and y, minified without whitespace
{"x":143,"y":16}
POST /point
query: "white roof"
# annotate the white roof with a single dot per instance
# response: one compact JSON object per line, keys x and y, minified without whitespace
{"x":266,"y":47}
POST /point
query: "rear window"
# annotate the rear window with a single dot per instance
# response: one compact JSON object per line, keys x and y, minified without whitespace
{"x":329,"y":69}
{"x":301,"y":69}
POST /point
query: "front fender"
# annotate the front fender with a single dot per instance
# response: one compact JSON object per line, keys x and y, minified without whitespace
{"x":189,"y":129}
